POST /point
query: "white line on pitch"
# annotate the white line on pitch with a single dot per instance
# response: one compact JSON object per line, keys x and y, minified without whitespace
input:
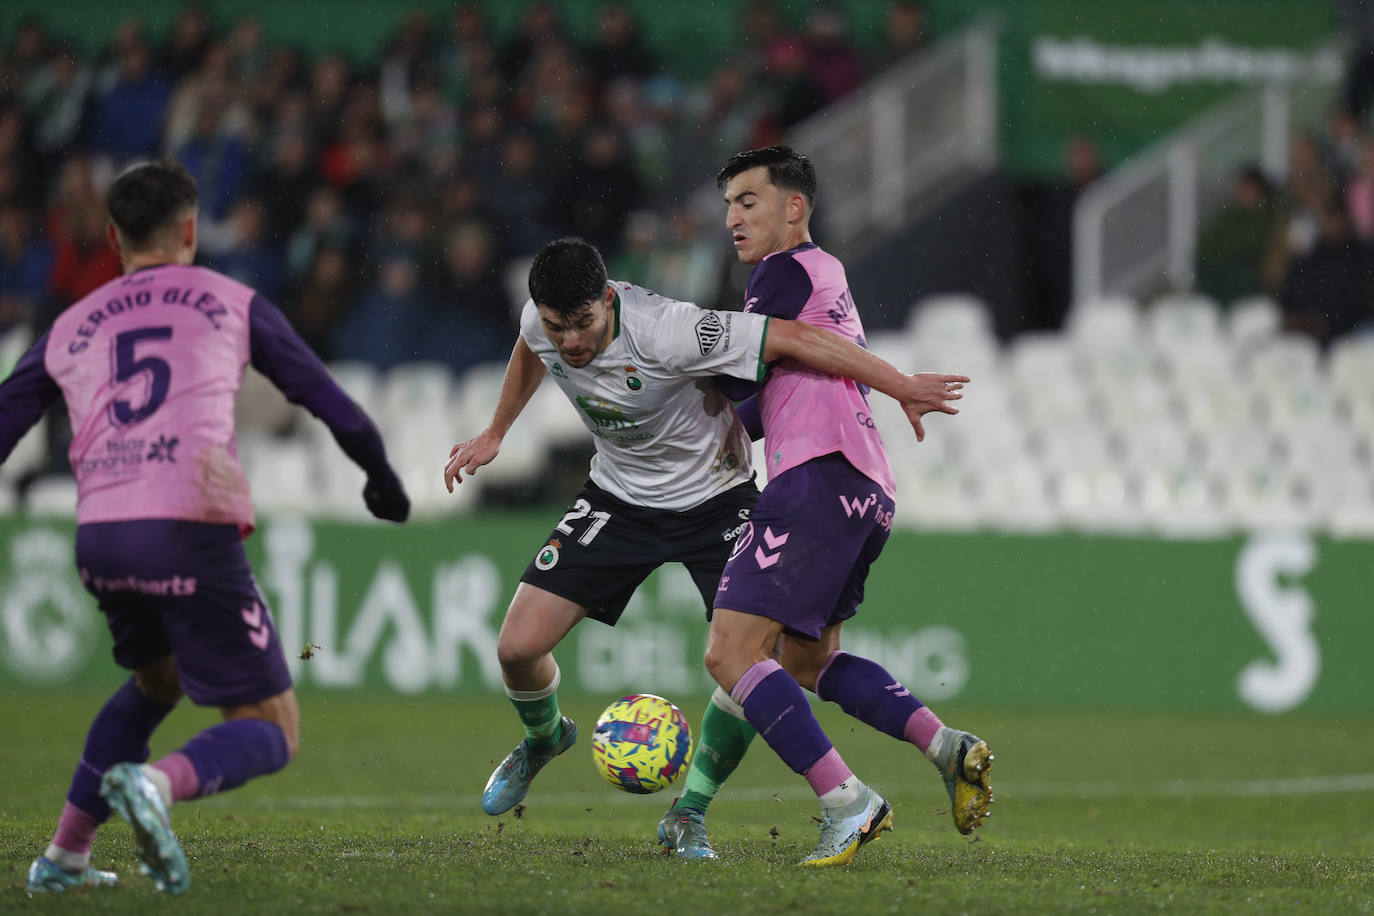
{"x":1010,"y":789}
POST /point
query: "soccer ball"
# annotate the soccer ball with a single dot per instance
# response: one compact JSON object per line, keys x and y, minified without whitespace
{"x":641,"y":743}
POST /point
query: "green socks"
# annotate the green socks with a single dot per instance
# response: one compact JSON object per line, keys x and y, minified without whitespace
{"x":538,"y":712}
{"x":725,"y":736}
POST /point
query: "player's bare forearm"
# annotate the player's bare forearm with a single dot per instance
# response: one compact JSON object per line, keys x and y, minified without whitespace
{"x":524,"y":372}
{"x":839,"y":356}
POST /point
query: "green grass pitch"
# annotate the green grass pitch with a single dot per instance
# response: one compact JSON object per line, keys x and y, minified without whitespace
{"x":1095,"y":813}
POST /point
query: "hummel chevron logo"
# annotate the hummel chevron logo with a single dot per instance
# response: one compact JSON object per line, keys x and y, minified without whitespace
{"x":259,"y":629}
{"x":774,"y":541}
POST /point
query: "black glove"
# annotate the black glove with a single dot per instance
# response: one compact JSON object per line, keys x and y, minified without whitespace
{"x":386,"y":499}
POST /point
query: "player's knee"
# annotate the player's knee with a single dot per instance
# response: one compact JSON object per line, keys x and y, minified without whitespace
{"x":292,"y":733}
{"x":159,"y":682}
{"x":721,"y":665}
{"x":517,"y":656}
{"x":804,"y":674}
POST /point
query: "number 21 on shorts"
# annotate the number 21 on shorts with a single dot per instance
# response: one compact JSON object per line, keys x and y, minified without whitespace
{"x":583,"y":509}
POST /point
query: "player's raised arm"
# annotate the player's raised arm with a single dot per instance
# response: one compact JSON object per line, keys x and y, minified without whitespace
{"x":524,"y":372}
{"x":279,"y":353}
{"x":25,"y":396}
{"x":919,"y":394}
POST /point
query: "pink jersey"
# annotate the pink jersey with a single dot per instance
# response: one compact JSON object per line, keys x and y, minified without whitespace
{"x":150,"y":366}
{"x":806,"y":413}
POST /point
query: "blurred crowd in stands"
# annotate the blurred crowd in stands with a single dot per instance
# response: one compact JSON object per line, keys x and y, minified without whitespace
{"x":1307,"y":238}
{"x":387,"y":205}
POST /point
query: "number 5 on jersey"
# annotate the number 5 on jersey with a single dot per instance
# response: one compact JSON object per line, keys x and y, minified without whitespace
{"x":125,"y":365}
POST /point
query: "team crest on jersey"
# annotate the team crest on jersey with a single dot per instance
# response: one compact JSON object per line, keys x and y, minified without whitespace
{"x":547,"y":558}
{"x":633,"y":381}
{"x":557,"y":369}
{"x":710,"y":329}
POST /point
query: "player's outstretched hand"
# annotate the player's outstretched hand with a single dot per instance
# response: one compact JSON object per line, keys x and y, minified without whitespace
{"x":386,"y":499}
{"x":469,"y":456}
{"x":929,"y":391}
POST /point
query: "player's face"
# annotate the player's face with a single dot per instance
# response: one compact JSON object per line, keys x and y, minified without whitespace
{"x":580,"y":337}
{"x":762,"y":218}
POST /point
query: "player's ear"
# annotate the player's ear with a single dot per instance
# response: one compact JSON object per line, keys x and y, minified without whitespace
{"x":188,"y":230}
{"x":112,"y":236}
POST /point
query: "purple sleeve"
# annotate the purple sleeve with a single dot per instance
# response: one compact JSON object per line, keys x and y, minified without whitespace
{"x":749,"y":415}
{"x":279,"y":353}
{"x":25,"y":396}
{"x":779,"y":286}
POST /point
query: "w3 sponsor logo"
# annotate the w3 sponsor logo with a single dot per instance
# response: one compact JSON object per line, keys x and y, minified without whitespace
{"x":853,"y":508}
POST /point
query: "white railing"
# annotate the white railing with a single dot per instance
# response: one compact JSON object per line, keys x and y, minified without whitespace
{"x":918,"y":128}
{"x":1135,"y":229}
{"x":931,"y":119}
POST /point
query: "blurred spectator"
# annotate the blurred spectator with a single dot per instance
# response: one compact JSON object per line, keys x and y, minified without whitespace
{"x":250,"y":59}
{"x":187,"y":42}
{"x":1311,"y":187}
{"x":592,"y":197}
{"x":127,"y":118}
{"x":83,"y":259}
{"x":327,"y":225}
{"x":1050,"y":234}
{"x":523,"y":195}
{"x":215,"y":157}
{"x":212,"y":86}
{"x":321,"y":296}
{"x":619,"y":50}
{"x":1231,"y":247}
{"x":308,"y":169}
{"x":285,"y":185}
{"x":832,"y":59}
{"x":465,"y":50}
{"x":251,"y":257}
{"x":687,"y":259}
{"x":384,"y":327}
{"x":905,"y":33}
{"x":539,"y":32}
{"x":26,"y":55}
{"x":763,"y":34}
{"x":1329,"y":290}
{"x":1359,"y":193}
{"x":470,"y":320}
{"x":795,"y":93}
{"x":1358,"y":21}
{"x":408,"y":61}
{"x":26,"y":260}
{"x":56,"y":99}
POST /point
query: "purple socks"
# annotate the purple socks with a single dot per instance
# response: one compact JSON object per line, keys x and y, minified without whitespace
{"x":224,"y":757}
{"x":775,"y":704}
{"x":866,"y":691}
{"x":119,"y":732}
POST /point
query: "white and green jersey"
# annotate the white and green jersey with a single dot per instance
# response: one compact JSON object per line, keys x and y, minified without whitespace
{"x":665,"y":437}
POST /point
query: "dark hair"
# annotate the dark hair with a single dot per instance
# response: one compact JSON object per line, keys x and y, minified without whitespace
{"x":567,"y":274}
{"x":150,"y":197}
{"x":787,"y":169}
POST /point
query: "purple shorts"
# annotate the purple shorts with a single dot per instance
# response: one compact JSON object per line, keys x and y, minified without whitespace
{"x":803,"y":560}
{"x":184,"y":589}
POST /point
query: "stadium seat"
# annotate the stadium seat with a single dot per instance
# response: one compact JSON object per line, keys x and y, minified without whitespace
{"x":51,"y":496}
{"x":1252,"y":321}
{"x":418,"y":391}
{"x":359,"y":381}
{"x":1182,"y":319}
{"x":261,"y":406}
{"x":950,"y":318}
{"x":1108,"y":322}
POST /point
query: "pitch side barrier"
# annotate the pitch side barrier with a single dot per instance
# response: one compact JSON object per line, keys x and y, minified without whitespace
{"x":1268,"y":622}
